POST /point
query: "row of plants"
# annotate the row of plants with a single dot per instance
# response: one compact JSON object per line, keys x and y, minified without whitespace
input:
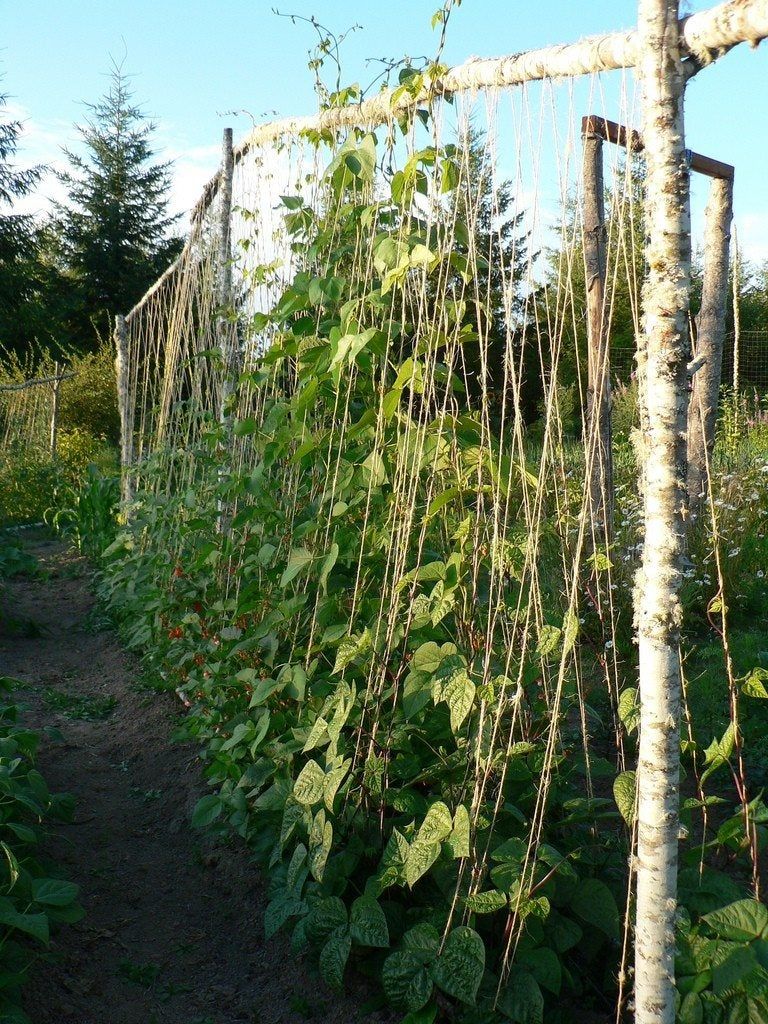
{"x":417,"y":784}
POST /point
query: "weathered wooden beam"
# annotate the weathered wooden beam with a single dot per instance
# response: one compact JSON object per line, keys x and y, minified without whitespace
{"x":598,"y":433}
{"x":632,"y":140}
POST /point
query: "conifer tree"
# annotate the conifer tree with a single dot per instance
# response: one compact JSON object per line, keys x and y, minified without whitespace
{"x":114,"y":230}
{"x":18,"y":239}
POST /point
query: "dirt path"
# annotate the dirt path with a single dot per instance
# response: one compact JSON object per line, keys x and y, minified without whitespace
{"x":173,"y":926}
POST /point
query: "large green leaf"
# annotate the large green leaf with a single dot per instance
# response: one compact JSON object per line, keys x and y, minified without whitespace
{"x":743,"y":920}
{"x":426,"y":847}
{"x":625,"y":794}
{"x":207,"y":810}
{"x":367,"y":923}
{"x":310,"y":784}
{"x":593,"y":902}
{"x":522,"y":1001}
{"x":406,"y":981}
{"x":53,"y":892}
{"x":459,"y":968}
{"x":334,"y":956}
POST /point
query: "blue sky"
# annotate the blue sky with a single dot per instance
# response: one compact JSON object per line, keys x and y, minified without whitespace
{"x":194,"y":62}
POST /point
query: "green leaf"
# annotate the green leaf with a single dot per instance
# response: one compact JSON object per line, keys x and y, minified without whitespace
{"x":207,"y":810}
{"x":352,"y":648}
{"x":629,"y":709}
{"x":425,"y":848}
{"x":741,"y":921}
{"x":35,"y":925}
{"x":328,"y":563}
{"x":625,"y":794}
{"x":459,"y":839}
{"x":593,"y":902}
{"x":741,"y":963}
{"x":298,"y":560}
{"x":334,"y":956}
{"x":367,"y":923}
{"x":459,"y":968}
{"x":544,"y":964}
{"x":522,"y":1001}
{"x":309,"y":786}
{"x":328,"y":915}
{"x":320,"y":842}
{"x":423,"y":940}
{"x":754,"y":684}
{"x":549,"y":638}
{"x":719,"y":752}
{"x":486,"y":902}
{"x":691,"y":1010}
{"x":53,"y":892}
{"x":570,"y":630}
{"x":458,"y":692}
{"x":406,"y":981}
{"x":279,"y":911}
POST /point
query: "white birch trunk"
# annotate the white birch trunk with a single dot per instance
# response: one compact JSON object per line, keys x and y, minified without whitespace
{"x":710,"y":337}
{"x":657,"y":606}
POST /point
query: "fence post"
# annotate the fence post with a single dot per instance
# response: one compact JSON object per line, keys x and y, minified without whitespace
{"x":226,"y":336}
{"x":56,"y":384}
{"x":710,"y":337}
{"x":122,"y":369}
{"x":736,"y":317}
{"x":225,"y":328}
{"x":598,"y":434}
{"x":658,"y":611}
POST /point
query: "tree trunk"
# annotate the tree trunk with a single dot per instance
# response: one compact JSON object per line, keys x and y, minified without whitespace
{"x":709,"y":341}
{"x":598,"y":434}
{"x":657,"y":605}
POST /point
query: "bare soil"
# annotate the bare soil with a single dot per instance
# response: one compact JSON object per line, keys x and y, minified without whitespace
{"x":173,"y":927}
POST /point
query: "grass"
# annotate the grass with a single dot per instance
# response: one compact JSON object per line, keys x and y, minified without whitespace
{"x":82,"y":707}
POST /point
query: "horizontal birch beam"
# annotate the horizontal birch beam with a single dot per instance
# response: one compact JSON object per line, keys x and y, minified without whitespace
{"x":706,"y":36}
{"x":38,"y":380}
{"x":630,"y":139}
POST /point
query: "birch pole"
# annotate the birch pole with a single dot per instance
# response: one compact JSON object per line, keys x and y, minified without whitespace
{"x":598,"y":441}
{"x":710,"y":338}
{"x":55,"y":410}
{"x":226,"y":335}
{"x":657,"y":605}
{"x":123,"y":405}
{"x":226,"y":339}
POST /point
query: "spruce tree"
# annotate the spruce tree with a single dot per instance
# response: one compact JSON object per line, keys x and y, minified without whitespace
{"x":114,"y":231}
{"x":18,"y":241}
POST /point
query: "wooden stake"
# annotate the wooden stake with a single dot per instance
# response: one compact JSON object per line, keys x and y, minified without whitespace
{"x":226,"y":331}
{"x":598,"y":432}
{"x":122,"y":369}
{"x":226,"y":336}
{"x":55,"y":409}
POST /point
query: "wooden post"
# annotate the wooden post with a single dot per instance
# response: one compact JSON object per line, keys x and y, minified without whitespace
{"x":658,"y":611}
{"x":710,"y":338}
{"x":226,"y":331}
{"x":122,"y":370}
{"x":55,"y":385}
{"x":598,"y":433}
{"x":736,"y":316}
{"x":226,"y":335}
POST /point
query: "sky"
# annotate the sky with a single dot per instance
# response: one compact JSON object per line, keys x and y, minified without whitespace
{"x":199,"y":66}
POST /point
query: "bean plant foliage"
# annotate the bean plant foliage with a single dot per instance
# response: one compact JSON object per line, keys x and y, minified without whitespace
{"x":33,"y":901}
{"x":385,"y":754}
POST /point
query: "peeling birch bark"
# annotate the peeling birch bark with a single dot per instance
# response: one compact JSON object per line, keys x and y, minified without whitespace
{"x":657,"y":605}
{"x":710,"y":338}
